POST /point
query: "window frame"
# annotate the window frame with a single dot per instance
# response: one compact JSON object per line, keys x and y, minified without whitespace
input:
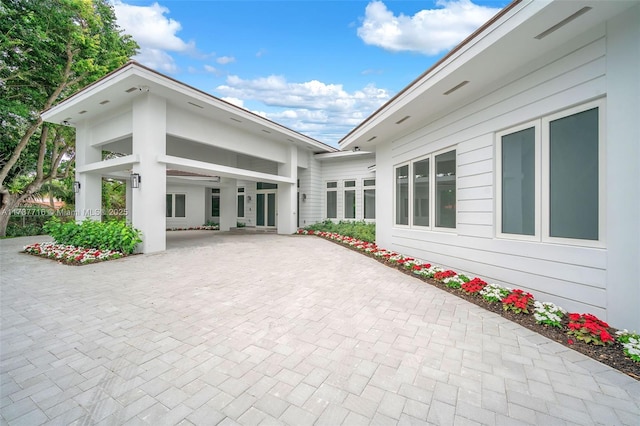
{"x":542,"y":177}
{"x":173,"y":205}
{"x":241,"y":194}
{"x":366,"y":188}
{"x":351,"y":188}
{"x":432,"y":192}
{"x":328,"y":189}
{"x":537,"y":159}
{"x":395,"y":196}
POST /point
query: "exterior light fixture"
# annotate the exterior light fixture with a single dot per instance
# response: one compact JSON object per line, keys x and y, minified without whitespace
{"x":248,"y":198}
{"x":304,"y":197}
{"x":135,"y":180}
{"x":76,"y":186}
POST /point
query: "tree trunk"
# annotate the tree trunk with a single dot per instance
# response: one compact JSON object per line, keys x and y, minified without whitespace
{"x":9,"y":201}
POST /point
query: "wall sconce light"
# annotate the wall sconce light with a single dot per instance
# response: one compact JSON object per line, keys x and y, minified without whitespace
{"x":304,"y":197}
{"x":135,"y":180}
{"x":248,"y":198}
{"x":76,"y":186}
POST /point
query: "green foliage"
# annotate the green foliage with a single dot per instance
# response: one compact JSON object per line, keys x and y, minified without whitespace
{"x":113,"y":235}
{"x":28,"y":221}
{"x":361,"y":230}
{"x":49,"y":49}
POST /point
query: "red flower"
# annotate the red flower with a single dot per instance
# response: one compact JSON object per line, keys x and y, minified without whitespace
{"x":570,"y":341}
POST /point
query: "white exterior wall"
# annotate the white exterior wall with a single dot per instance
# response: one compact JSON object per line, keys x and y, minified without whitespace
{"x":195,"y":202}
{"x":311,"y":185}
{"x":341,"y":169}
{"x":581,"y":279}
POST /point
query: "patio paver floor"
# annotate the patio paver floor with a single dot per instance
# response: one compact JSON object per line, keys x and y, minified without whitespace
{"x":267,"y":329}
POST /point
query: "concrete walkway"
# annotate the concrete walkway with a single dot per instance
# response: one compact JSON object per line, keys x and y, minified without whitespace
{"x":267,"y":329}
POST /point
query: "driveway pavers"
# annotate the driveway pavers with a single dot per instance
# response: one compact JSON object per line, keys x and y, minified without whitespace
{"x":266,"y":329}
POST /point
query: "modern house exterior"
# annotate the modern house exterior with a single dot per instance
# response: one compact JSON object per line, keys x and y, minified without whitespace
{"x":515,"y":158}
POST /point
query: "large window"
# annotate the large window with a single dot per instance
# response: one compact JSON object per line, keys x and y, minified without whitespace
{"x":215,"y":202}
{"x":402,"y":195}
{"x":418,"y":183}
{"x":240,"y":205}
{"x":332,"y":200}
{"x":421,"y":192}
{"x":350,"y":199}
{"x":176,"y":205}
{"x":369,"y":198}
{"x":446,"y":190}
{"x":549,"y":177}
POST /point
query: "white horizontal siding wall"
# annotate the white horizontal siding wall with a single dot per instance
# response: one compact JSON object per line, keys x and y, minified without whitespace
{"x":310,"y":185}
{"x":572,"y":276}
{"x":342,"y":169}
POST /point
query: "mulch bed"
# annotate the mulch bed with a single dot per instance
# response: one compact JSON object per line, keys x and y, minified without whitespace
{"x":611,"y":355}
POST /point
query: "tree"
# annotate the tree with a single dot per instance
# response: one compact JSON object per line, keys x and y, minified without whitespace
{"x":49,"y":49}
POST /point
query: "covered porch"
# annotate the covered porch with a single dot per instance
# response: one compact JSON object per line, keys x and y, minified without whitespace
{"x":178,"y":150}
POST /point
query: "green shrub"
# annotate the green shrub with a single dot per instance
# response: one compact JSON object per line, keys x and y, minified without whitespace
{"x":113,"y":235}
{"x":361,"y":230}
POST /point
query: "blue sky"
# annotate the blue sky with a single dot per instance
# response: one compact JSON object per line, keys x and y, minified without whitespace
{"x":319,"y":67}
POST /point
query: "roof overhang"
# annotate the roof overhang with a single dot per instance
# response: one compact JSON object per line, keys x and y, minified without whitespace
{"x":522,"y":31}
{"x":117,"y":90}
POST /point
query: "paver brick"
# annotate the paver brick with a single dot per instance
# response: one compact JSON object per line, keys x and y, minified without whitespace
{"x":192,"y":336}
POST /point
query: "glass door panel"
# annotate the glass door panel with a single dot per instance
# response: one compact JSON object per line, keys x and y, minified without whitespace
{"x":260,"y":204}
{"x":271,"y":209}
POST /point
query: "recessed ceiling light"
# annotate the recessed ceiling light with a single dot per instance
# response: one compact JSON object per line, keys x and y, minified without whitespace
{"x":405,"y":118}
{"x":456,"y":87}
{"x":562,"y":23}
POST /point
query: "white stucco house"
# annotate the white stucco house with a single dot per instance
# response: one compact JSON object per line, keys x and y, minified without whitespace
{"x":515,"y":158}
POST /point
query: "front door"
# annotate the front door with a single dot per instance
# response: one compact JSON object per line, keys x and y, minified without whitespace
{"x":266,"y":209}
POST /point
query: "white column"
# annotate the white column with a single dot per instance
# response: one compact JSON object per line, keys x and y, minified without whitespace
{"x":89,"y":199}
{"x":287,"y":194}
{"x":148,"y":201}
{"x":228,"y":212}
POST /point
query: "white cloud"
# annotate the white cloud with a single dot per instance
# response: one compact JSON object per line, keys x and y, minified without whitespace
{"x":154,"y":32}
{"x":234,"y":101}
{"x":323,"y":111}
{"x":225,"y":60}
{"x":429,"y":31}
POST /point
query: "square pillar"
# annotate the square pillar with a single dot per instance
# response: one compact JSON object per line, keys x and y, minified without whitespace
{"x":89,"y":199}
{"x":148,"y":202}
{"x":288,"y":194}
{"x":228,"y":212}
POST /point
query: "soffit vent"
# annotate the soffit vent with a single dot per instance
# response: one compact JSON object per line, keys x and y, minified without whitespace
{"x":456,"y":87}
{"x":106,"y":101}
{"x":196,"y":105}
{"x":371,"y":138}
{"x":403,"y":119}
{"x":131,"y":89}
{"x":235,"y":119}
{"x":562,"y":23}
